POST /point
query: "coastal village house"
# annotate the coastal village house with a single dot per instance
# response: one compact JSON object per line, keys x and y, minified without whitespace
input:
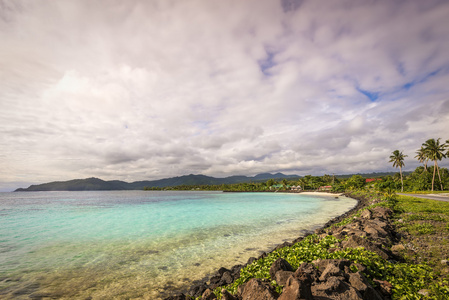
{"x":287,"y":187}
{"x":325,"y":188}
{"x":371,"y":181}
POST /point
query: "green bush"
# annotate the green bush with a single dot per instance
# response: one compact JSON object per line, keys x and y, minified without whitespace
{"x":407,"y":279}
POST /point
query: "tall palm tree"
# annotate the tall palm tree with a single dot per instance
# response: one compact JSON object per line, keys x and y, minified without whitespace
{"x":284,"y":183}
{"x":302,"y":183}
{"x":422,"y":157}
{"x":435,"y":151}
{"x":397,"y":158}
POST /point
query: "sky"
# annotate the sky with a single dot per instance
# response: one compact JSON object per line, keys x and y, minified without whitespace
{"x":143,"y":90}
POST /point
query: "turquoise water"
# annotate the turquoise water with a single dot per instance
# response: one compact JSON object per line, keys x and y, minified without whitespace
{"x":139,"y":244}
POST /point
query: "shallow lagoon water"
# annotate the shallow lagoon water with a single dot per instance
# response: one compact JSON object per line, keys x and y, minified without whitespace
{"x":141,"y":244}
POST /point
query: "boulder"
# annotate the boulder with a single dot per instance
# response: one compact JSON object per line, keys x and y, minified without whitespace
{"x":371,"y":294}
{"x":282,"y":276}
{"x":251,"y":260}
{"x":223,"y":277}
{"x":381,"y":212}
{"x":226,"y":278}
{"x":222,"y":270}
{"x":366,"y":214}
{"x":358,"y":281}
{"x":332,"y":284}
{"x":263,"y":255}
{"x":398,"y":248}
{"x":356,"y":241}
{"x":283,"y":245}
{"x":235,"y":271}
{"x":225,"y":295}
{"x":240,"y":290}
{"x":208,"y":295}
{"x":342,"y":232}
{"x":322,"y":264}
{"x":258,"y":289}
{"x":296,"y":290}
{"x":214,"y":280}
{"x":307,"y":271}
{"x":280,"y":265}
{"x":335,"y":288}
{"x":331,"y":270}
{"x":376,"y":229}
{"x":351,"y":294}
{"x":384,"y":287}
{"x":197,"y":290}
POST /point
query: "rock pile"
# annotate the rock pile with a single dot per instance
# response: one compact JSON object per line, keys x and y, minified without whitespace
{"x":324,"y":279}
{"x":320,"y":279}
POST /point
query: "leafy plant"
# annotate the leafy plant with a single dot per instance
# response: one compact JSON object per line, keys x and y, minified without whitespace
{"x":407,"y":279}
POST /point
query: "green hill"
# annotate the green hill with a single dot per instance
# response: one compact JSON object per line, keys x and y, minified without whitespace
{"x":96,"y":184}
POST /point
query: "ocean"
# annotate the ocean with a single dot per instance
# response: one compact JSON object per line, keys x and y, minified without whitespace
{"x":142,"y":244}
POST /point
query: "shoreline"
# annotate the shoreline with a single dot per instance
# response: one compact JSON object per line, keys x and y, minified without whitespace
{"x":199,"y":286}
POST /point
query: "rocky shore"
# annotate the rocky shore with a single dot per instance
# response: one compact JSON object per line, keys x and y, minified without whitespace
{"x":320,"y":279}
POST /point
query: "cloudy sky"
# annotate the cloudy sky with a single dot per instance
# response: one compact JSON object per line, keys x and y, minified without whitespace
{"x":137,"y":90}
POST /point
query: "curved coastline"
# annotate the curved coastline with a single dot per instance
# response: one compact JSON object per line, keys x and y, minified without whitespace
{"x":199,"y":286}
{"x":154,"y":270}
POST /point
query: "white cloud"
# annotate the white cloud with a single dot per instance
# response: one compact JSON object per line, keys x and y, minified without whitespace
{"x":141,"y":90}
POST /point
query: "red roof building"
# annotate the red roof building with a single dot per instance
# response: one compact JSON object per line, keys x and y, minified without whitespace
{"x":372,"y":179}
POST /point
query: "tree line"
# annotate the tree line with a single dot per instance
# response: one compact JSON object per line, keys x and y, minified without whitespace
{"x":423,"y":178}
{"x":418,"y":180}
{"x":431,"y":150}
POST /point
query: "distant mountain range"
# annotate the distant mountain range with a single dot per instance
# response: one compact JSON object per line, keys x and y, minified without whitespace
{"x":96,"y":184}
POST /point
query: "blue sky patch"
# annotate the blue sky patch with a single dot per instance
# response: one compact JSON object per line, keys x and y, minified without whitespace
{"x":267,"y":63}
{"x":372,"y":96}
{"x":410,"y":84}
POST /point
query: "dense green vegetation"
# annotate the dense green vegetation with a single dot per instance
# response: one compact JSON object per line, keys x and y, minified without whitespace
{"x":421,"y":271}
{"x":418,"y":180}
{"x":423,"y":178}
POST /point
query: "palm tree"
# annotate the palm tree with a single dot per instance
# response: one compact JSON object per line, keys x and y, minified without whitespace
{"x":397,"y":158}
{"x":435,"y":151}
{"x":302,"y":183}
{"x":284,"y":183}
{"x":447,"y":146}
{"x":422,"y":157}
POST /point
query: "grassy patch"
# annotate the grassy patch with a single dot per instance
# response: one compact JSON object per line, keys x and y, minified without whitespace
{"x":421,"y":228}
{"x":425,"y":227}
{"x":426,"y":217}
{"x":428,"y":192}
{"x":425,"y":206}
